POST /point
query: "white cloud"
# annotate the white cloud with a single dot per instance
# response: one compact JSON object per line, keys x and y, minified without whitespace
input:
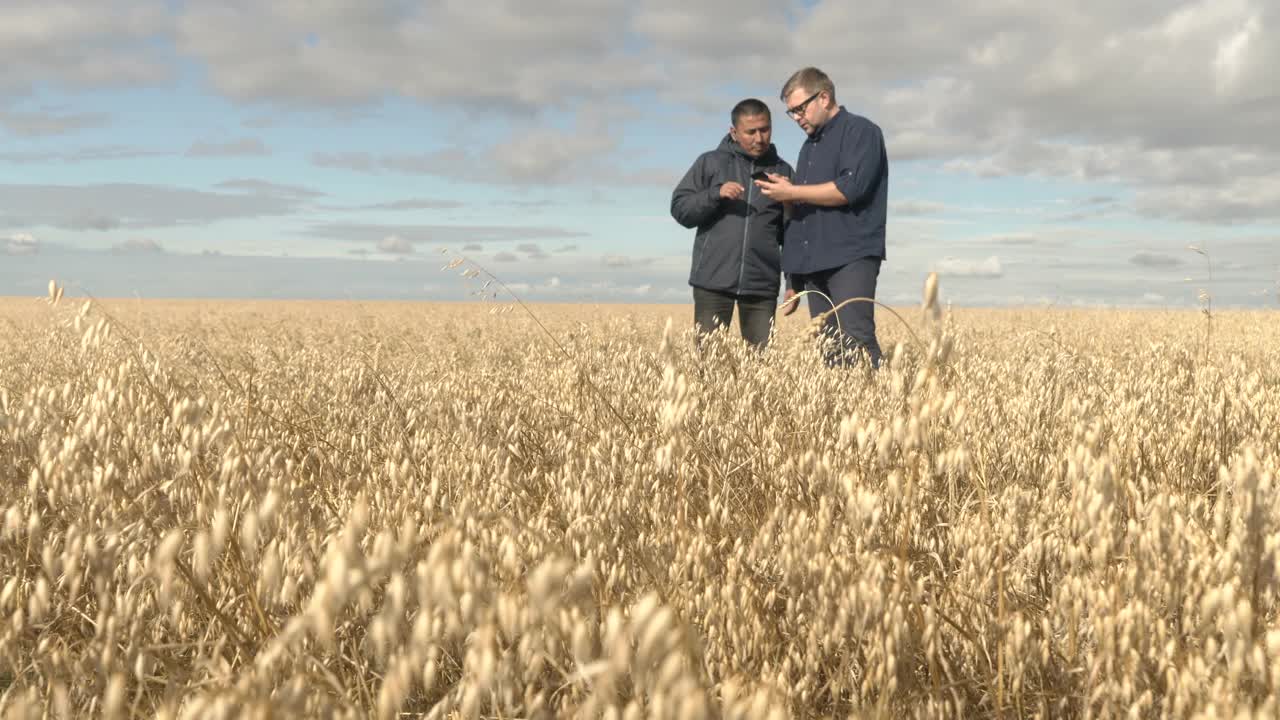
{"x":468,"y":235}
{"x":136,"y":246}
{"x":266,"y":187}
{"x":108,"y":206}
{"x":91,"y":219}
{"x":534,"y":154}
{"x":499,"y":54}
{"x":395,"y":245}
{"x":1021,"y":238}
{"x":411,"y":204}
{"x":41,"y":123}
{"x":82,"y":43}
{"x":551,"y":154}
{"x":1231,"y":201}
{"x":1233,"y":56}
{"x":988,"y":268}
{"x":21,"y":244}
{"x":358,"y":161}
{"x":916,"y":207}
{"x":80,"y":155}
{"x":532,"y":250}
{"x":240,"y":147}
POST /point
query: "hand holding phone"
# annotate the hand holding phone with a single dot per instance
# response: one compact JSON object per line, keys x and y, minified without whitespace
{"x":760,"y":175}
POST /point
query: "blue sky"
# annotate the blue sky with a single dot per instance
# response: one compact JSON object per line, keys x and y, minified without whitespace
{"x":1039,"y":154}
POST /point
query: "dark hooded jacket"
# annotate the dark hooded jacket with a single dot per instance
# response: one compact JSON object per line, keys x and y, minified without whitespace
{"x":738,"y":245}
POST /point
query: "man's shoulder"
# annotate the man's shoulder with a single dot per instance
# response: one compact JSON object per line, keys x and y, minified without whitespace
{"x":855,"y":124}
{"x":713,"y":155}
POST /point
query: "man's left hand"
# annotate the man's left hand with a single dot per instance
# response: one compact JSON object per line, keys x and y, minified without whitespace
{"x":777,"y":187}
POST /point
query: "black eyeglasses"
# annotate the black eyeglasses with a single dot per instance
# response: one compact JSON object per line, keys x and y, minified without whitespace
{"x":798,"y":110}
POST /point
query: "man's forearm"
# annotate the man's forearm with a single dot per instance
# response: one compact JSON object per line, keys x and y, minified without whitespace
{"x":825,"y":195}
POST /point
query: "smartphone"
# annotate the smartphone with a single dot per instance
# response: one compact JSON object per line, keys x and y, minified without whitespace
{"x":760,"y":175}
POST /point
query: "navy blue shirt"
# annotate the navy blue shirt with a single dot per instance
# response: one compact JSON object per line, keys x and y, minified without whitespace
{"x":848,"y":149}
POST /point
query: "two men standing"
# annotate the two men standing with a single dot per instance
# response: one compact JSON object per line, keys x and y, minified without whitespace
{"x":836,"y":203}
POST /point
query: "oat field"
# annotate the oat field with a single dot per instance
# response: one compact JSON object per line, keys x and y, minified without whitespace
{"x":253,"y":510}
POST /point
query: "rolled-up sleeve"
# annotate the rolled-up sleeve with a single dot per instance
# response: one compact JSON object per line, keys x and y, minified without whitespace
{"x":862,"y":157}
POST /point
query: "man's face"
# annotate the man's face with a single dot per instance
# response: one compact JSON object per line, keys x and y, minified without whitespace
{"x":808,"y":109}
{"x":753,"y":133}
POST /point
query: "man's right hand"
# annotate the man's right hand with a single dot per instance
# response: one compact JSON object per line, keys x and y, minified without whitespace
{"x":790,"y":302}
{"x":731,"y":190}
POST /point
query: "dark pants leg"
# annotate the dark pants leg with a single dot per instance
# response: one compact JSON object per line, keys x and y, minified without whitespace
{"x":854,"y":325}
{"x":713,"y":310}
{"x":755,"y":318}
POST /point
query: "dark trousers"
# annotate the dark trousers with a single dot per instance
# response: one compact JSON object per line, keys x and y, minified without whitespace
{"x":853,"y":326}
{"x":713,"y":309}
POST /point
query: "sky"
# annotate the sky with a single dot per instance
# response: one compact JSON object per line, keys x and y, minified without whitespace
{"x":1040,"y":152}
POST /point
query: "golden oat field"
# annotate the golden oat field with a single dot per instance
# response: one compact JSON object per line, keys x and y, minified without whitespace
{"x":350,"y":510}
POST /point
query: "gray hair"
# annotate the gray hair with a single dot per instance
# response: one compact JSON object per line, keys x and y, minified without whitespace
{"x":812,"y":80}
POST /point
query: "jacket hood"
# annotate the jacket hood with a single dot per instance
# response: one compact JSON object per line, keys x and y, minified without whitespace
{"x":729,"y":145}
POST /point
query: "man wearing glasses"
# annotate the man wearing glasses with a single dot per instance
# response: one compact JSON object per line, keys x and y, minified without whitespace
{"x":737,"y":257}
{"x":839,"y":201}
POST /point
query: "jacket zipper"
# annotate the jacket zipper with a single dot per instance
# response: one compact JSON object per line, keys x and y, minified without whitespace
{"x":746,"y":225}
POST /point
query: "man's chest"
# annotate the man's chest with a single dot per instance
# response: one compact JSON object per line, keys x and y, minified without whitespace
{"x":819,"y":161}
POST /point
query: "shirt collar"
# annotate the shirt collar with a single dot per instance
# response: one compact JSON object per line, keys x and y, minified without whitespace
{"x":837,"y":116}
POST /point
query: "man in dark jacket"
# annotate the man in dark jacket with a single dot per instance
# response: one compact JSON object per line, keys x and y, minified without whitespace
{"x":737,"y":254}
{"x":839,"y":204}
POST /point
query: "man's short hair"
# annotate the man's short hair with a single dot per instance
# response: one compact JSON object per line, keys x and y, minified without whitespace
{"x":748,"y":108}
{"x":812,"y":80}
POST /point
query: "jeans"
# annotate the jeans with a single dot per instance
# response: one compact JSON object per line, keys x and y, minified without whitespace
{"x":713,"y":309}
{"x":853,"y":326}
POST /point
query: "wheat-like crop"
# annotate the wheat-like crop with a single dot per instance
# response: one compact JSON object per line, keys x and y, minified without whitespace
{"x":338,"y":510}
